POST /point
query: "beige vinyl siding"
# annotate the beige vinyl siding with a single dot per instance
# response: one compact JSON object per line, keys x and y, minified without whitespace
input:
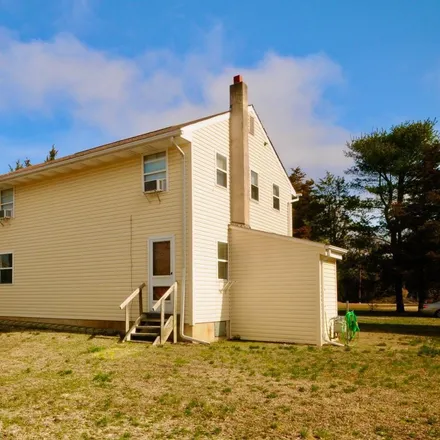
{"x":80,"y":240}
{"x":276,"y":294}
{"x":330,"y":291}
{"x":264,"y":161}
{"x":211,"y":216}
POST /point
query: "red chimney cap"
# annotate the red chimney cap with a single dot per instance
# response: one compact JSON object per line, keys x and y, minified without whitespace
{"x":238,"y":79}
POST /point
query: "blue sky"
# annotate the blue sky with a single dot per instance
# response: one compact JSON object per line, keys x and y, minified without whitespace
{"x":79,"y":73}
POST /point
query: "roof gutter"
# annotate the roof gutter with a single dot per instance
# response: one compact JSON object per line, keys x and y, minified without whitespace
{"x":92,"y":155}
{"x":335,"y":252}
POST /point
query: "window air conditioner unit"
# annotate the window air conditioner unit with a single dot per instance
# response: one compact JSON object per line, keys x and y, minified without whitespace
{"x":156,"y":186}
{"x":6,"y":213}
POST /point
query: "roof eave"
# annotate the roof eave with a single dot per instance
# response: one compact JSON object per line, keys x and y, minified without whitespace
{"x":11,"y":177}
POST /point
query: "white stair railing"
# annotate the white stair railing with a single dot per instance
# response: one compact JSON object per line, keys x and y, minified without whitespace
{"x":128,"y":301}
{"x":170,"y":326}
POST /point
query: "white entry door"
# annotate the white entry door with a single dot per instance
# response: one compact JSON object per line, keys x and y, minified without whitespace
{"x":160,"y":269}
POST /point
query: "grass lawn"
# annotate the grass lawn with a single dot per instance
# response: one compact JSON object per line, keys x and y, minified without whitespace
{"x":70,"y":386}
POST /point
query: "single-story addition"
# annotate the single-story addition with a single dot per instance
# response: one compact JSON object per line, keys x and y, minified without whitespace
{"x":184,"y":230}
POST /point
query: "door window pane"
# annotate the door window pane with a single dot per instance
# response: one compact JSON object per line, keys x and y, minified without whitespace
{"x":159,"y":291}
{"x":161,"y":258}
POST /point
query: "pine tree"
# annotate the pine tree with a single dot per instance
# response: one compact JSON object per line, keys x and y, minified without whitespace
{"x":302,"y":210}
{"x":19,"y":165}
{"x":52,"y":154}
{"x":384,"y":161}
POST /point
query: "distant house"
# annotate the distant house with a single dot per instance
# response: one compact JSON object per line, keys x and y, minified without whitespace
{"x":203,"y":206}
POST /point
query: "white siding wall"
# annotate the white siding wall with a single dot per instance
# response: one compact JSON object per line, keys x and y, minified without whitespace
{"x":211,"y":214}
{"x":265,"y":162}
{"x":211,"y":209}
{"x":330,"y":291}
{"x":276,"y":295}
{"x":71,"y":240}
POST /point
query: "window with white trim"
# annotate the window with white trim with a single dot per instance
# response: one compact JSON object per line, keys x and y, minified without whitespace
{"x":222,"y":257}
{"x":155,"y":172}
{"x":254,"y":186}
{"x":276,"y":197}
{"x":6,"y":275}
{"x":6,"y":201}
{"x":222,"y":170}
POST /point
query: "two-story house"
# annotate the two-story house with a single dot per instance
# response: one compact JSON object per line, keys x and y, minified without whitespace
{"x":199,"y":212}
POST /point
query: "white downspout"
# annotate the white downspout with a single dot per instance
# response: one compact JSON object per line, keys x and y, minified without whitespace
{"x":295,"y":199}
{"x":184,"y":255}
{"x":323,"y":322}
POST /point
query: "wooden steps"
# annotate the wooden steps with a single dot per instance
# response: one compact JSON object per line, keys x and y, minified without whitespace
{"x":146,"y":329}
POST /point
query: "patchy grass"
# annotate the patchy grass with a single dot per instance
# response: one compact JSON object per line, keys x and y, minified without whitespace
{"x":56,"y":385}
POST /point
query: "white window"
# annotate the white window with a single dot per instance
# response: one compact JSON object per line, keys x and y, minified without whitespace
{"x":6,"y":201}
{"x":276,"y":197}
{"x":254,"y":186}
{"x":222,"y":256}
{"x":6,"y":275}
{"x":222,"y":171}
{"x":155,"y":172}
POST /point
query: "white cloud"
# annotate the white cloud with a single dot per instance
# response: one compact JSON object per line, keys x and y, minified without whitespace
{"x":123,"y":96}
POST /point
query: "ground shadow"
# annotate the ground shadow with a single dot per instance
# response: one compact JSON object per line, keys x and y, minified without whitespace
{"x":390,"y":313}
{"x":401,"y":329}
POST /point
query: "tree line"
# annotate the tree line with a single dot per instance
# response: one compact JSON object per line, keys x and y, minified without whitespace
{"x":53,"y":153}
{"x":385,"y":211}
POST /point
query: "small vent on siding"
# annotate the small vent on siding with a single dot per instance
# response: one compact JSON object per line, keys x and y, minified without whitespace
{"x":251,"y":125}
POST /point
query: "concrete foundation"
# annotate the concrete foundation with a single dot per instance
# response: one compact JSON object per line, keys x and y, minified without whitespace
{"x":206,"y":331}
{"x":92,"y":323}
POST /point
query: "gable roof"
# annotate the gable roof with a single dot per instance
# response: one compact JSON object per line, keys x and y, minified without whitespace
{"x":273,"y":148}
{"x":172,"y":129}
{"x":110,"y":147}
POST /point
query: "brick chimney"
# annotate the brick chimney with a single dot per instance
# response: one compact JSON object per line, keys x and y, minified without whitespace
{"x":239,"y":152}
